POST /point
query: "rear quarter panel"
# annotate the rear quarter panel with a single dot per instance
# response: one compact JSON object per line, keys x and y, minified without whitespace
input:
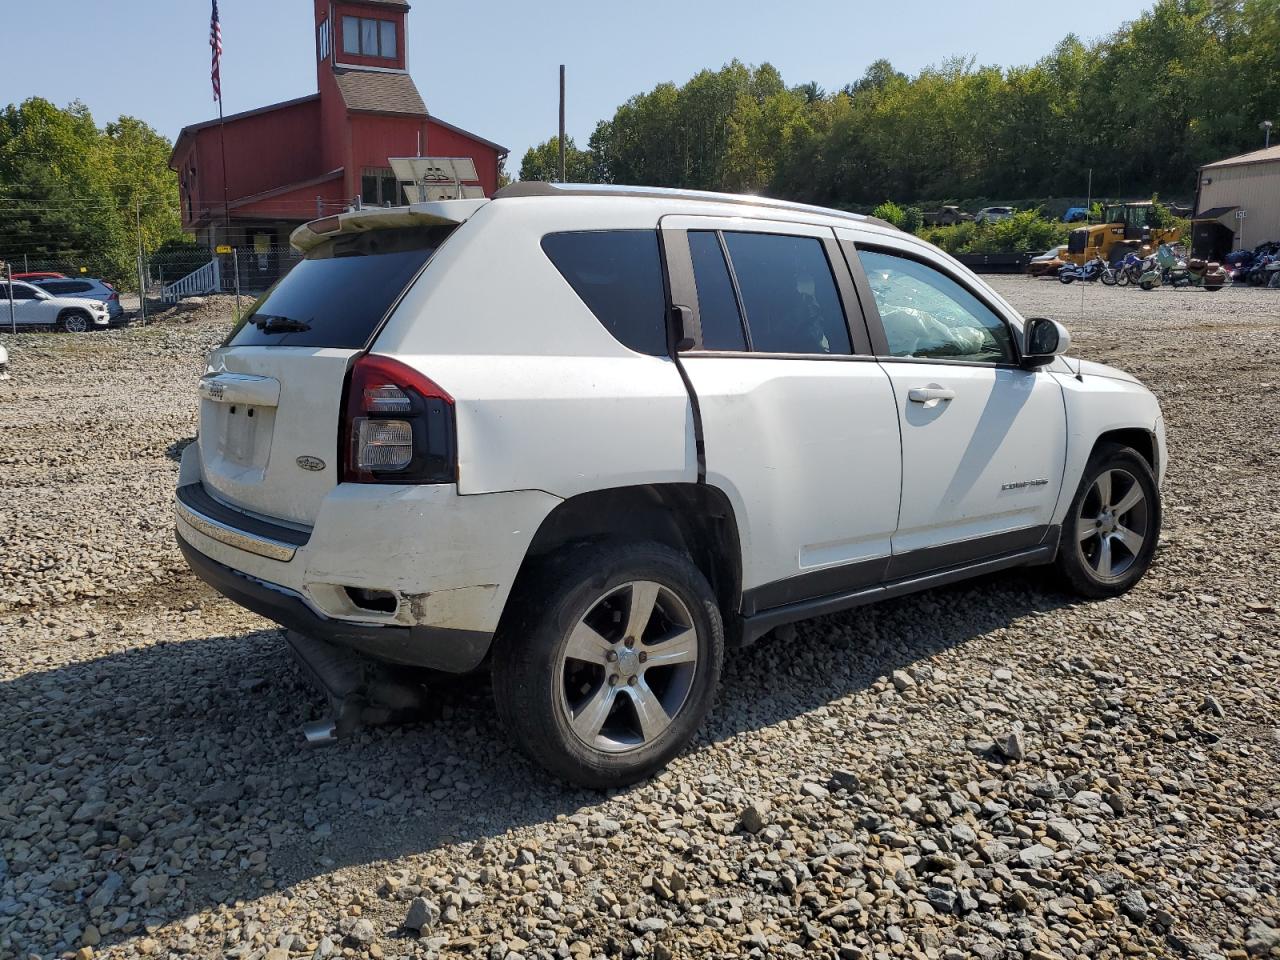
{"x":546,"y":398}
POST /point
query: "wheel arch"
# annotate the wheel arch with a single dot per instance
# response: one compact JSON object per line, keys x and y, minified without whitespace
{"x":1139,"y":438}
{"x":694,"y":519}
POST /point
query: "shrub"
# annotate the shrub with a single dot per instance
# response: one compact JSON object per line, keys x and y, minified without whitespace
{"x":1026,"y":230}
{"x":912,"y":219}
{"x":891,"y":212}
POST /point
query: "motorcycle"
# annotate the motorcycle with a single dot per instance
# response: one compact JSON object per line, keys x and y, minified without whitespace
{"x":1131,"y":268}
{"x":1095,"y":269}
{"x":1176,"y":272}
{"x":1258,"y":272}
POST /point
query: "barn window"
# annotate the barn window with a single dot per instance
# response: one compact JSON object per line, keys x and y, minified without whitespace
{"x":366,"y":37}
{"x":378,"y":187}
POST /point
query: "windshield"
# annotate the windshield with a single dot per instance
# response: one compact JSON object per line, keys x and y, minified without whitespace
{"x":339,"y":295}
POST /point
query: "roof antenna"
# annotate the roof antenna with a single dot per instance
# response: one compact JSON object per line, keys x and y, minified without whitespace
{"x":1088,"y":216}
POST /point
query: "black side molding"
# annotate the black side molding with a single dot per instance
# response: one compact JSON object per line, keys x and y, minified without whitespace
{"x":757,"y":625}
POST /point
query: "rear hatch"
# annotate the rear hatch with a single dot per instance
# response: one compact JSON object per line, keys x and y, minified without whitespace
{"x":271,"y":401}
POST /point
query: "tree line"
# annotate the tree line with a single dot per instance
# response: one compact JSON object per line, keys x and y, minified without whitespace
{"x":1185,"y":83}
{"x":78,"y":195}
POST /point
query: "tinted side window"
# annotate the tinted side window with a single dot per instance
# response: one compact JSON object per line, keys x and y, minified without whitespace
{"x":788,"y":294}
{"x":717,"y":303}
{"x":618,"y":275}
{"x":63,"y":287}
{"x":927,"y":314}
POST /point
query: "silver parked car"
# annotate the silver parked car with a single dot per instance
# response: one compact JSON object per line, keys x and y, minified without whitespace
{"x":993,"y":214}
{"x":87,"y":288}
{"x":33,"y":307}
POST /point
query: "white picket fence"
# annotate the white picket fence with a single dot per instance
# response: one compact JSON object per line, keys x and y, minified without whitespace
{"x":199,"y":282}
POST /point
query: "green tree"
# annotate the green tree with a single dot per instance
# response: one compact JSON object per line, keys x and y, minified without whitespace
{"x":75,"y":193}
{"x":542,"y":162}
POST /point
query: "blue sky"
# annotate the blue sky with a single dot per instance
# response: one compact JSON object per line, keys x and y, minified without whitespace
{"x":492,"y":67}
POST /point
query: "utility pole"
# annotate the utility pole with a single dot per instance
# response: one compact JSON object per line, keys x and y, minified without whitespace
{"x":562,"y":171}
{"x":8,"y":270}
{"x":235,"y":262}
{"x":142,"y":270}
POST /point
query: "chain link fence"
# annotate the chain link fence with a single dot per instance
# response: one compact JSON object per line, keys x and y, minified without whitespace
{"x":249,"y":269}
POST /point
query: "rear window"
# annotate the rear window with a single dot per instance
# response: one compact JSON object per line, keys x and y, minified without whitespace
{"x":618,"y":275}
{"x":339,"y":295}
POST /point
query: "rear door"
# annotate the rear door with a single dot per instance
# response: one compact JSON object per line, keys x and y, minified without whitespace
{"x":983,"y":439}
{"x":271,"y":401}
{"x":798,"y":420}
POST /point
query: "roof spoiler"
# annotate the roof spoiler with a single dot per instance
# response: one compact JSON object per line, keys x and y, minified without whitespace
{"x":434,"y":213}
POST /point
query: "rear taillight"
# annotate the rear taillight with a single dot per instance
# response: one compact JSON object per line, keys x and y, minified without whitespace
{"x":114,"y":296}
{"x":397,"y":426}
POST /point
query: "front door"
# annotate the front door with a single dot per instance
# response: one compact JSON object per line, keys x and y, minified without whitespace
{"x":798,"y":420}
{"x":29,"y":307}
{"x":983,"y":439}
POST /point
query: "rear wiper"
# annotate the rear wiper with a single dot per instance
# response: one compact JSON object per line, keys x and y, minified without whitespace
{"x":272,"y":324}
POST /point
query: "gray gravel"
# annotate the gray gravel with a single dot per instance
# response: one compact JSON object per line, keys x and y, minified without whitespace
{"x":993,"y":770}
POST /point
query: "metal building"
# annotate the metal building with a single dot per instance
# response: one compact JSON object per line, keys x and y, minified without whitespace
{"x":1237,"y":203}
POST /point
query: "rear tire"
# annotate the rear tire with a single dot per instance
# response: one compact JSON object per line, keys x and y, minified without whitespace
{"x":1111,"y":530}
{"x":75,"y":321}
{"x":607,"y":663}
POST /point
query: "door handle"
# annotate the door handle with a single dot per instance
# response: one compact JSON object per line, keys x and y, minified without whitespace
{"x":930,"y":394}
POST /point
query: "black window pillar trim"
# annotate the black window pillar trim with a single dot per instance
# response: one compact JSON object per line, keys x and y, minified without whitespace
{"x":879,"y":343}
{"x":681,"y":293}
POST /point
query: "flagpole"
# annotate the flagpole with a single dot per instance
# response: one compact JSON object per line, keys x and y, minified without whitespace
{"x":222,"y":142}
{"x":215,"y":41}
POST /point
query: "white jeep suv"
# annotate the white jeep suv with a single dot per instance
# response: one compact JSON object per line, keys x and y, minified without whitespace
{"x":585,"y":437}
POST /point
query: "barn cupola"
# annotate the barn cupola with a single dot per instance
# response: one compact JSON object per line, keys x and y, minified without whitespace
{"x":360,"y":35}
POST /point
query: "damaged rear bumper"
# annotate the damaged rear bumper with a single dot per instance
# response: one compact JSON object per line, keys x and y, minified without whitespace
{"x":439,"y":648}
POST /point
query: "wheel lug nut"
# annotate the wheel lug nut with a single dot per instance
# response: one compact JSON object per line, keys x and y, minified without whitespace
{"x":643,"y":656}
{"x":613,"y":679}
{"x":611,"y":656}
{"x":631,"y":681}
{"x":630,"y":641}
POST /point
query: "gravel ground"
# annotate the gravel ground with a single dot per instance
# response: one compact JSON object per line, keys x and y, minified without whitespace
{"x":992,"y":770}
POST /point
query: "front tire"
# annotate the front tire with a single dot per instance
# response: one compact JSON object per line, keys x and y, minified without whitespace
{"x":1111,"y":530}
{"x":75,"y":321}
{"x":608,"y":661}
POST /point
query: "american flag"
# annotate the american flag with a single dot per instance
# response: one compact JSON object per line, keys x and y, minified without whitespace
{"x":215,"y":41}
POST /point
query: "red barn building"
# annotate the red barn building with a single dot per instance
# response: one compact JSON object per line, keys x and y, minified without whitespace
{"x":291,"y":162}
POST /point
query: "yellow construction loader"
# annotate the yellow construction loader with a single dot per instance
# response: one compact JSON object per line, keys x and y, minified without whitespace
{"x":1125,"y":228}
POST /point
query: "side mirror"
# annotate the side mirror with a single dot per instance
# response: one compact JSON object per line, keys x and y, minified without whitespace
{"x":1042,"y":340}
{"x":680,"y":322}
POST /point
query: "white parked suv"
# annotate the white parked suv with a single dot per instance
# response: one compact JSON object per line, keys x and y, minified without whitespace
{"x":587,"y":437}
{"x":34,"y":307}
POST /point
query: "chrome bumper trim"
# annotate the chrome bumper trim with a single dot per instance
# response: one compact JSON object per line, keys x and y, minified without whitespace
{"x":216,"y":530}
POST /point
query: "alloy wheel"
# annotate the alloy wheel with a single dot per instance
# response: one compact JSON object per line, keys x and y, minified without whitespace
{"x":628,"y":667}
{"x":76,"y":323}
{"x":1113,"y":524}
